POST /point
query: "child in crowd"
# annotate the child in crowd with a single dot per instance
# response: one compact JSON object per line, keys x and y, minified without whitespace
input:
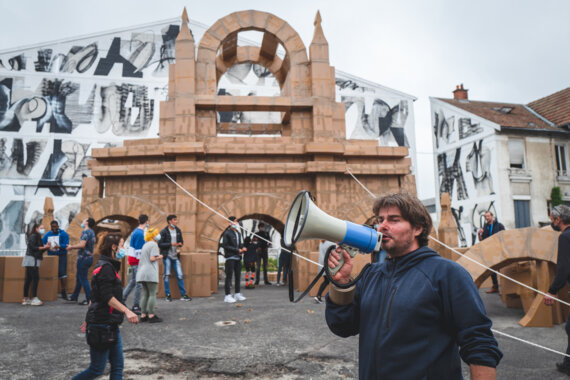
{"x":249,"y":260}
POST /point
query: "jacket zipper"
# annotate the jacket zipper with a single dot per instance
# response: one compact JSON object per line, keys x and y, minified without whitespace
{"x":390,"y":309}
{"x":387,"y":290}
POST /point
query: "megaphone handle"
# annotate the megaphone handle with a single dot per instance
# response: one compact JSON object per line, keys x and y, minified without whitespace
{"x":334,"y":270}
{"x":351,"y":252}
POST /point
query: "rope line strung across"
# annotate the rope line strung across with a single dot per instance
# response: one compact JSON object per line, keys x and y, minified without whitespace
{"x":490,"y":269}
{"x":241,"y":227}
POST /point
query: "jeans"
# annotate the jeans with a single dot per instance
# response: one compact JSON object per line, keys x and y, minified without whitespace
{"x":175,"y":264}
{"x":83,"y":264}
{"x":99,"y":361}
{"x":495,"y":280}
{"x":133,"y":284}
{"x":61,"y":264}
{"x":284,"y":264}
{"x":233,"y":268}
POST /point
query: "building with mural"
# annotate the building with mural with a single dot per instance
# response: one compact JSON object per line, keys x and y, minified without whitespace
{"x":59,"y":100}
{"x":501,"y":157}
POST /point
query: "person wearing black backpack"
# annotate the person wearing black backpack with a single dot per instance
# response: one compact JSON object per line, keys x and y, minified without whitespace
{"x":105,"y":313}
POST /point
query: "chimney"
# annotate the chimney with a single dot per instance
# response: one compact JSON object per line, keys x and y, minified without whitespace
{"x":460,"y":93}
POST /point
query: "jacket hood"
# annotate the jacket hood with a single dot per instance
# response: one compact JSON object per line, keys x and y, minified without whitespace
{"x":408,"y":260}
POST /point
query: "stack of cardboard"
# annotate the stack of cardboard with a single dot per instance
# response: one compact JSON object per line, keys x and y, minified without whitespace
{"x":200,"y":275}
{"x":12,"y":276}
{"x":214,"y":272}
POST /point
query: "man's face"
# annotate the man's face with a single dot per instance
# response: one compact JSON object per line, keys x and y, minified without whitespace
{"x":54,"y":227}
{"x":489,"y":217}
{"x":85,"y":223}
{"x":555,"y":221}
{"x":399,"y":237}
{"x":174,"y":221}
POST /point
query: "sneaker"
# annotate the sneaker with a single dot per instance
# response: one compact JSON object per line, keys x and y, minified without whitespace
{"x":268,"y":283}
{"x":277,"y":284}
{"x":186,"y":298}
{"x":71,"y":299}
{"x":168,"y":298}
{"x":562,"y":368}
{"x":143,"y":319}
{"x":239,"y":297}
{"x":26,"y":302}
{"x":84,"y":303}
{"x":229,"y":299}
{"x":136,"y":310}
{"x":64,"y":295}
{"x":36,"y":302}
{"x":155,"y":319}
{"x":318,"y":300}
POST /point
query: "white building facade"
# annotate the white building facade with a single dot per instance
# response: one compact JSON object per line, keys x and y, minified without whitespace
{"x":505,"y":158}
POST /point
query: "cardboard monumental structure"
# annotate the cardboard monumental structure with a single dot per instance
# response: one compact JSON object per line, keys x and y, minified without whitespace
{"x":252,"y":177}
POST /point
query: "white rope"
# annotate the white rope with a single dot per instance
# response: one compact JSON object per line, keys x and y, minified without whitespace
{"x":499,"y":273}
{"x":473,"y":260}
{"x":492,"y":270}
{"x":360,"y":183}
{"x":530,"y":343}
{"x":225,"y":218}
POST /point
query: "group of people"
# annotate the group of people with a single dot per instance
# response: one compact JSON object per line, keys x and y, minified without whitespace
{"x":165,"y":244}
{"x":254,"y":251}
{"x":417,"y":314}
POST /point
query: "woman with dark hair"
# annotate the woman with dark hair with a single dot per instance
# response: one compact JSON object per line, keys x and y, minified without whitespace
{"x":31,"y":262}
{"x":105,"y":314}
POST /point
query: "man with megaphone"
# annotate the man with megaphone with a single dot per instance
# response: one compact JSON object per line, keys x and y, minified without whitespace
{"x":417,"y":313}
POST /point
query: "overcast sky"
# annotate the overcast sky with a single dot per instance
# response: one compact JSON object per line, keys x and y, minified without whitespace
{"x":501,"y":50}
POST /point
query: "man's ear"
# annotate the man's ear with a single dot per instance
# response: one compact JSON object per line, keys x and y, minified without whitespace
{"x":417,"y":230}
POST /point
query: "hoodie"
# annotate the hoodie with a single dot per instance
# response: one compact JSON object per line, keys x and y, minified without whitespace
{"x":416,"y":316}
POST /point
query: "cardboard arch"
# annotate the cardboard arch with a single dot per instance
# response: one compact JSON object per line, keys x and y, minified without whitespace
{"x":535,"y":245}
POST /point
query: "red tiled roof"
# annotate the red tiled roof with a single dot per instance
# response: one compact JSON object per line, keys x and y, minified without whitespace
{"x":555,"y":107}
{"x":518,"y":117}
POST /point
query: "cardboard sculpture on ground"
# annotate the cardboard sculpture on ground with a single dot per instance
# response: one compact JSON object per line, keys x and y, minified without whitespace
{"x":249,"y":177}
{"x":527,"y":255}
{"x":540,"y":247}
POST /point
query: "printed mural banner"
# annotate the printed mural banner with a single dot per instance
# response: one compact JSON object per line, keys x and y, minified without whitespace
{"x":60,"y":100}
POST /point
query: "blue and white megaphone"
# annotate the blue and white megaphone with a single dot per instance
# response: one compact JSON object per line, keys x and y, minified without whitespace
{"x":306,"y":221}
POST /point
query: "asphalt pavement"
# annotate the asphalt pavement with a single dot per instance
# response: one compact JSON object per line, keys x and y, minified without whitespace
{"x":263,"y":337}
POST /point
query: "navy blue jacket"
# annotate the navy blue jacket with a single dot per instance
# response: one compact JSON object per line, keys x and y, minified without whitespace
{"x":412,"y":313}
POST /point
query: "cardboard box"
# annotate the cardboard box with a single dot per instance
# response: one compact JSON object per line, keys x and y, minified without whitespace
{"x":13,"y":275}
{"x":214,"y":274}
{"x":2,"y":262}
{"x":13,"y":279}
{"x":47,"y":287}
{"x":200,"y":275}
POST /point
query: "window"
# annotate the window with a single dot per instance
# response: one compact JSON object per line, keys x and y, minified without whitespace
{"x":560,"y":154}
{"x":516,"y":153}
{"x":522,"y":213}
